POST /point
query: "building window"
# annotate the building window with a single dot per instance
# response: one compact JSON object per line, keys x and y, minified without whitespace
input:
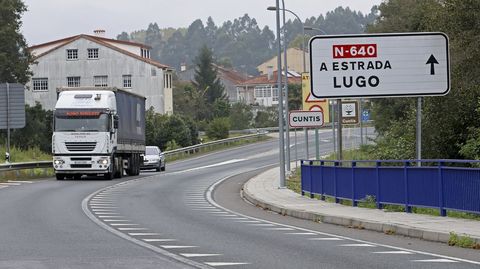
{"x":73,"y":81}
{"x":258,"y":92}
{"x":100,"y":81}
{"x":167,"y":83}
{"x":40,"y":84}
{"x":72,"y":54}
{"x":127,"y":81}
{"x":92,"y":53}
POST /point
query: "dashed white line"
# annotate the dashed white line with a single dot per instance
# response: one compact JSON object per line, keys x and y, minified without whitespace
{"x":302,"y":233}
{"x":436,"y":260}
{"x":10,"y":184}
{"x":108,"y":216}
{"x":225,"y":263}
{"x":279,"y":229}
{"x":194,"y":255}
{"x":261,"y":224}
{"x":176,"y":246}
{"x":326,"y":239}
{"x":158,"y":240}
{"x":133,"y":229}
{"x":357,"y":245}
{"x":393,"y":252}
{"x":123,"y":224}
{"x":142,"y":234}
{"x":20,"y":181}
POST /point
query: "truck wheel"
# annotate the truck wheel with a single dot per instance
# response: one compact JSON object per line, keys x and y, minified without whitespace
{"x":60,"y":176}
{"x":108,"y":176}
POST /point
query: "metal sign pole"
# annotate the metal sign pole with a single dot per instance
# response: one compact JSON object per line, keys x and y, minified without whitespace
{"x":419,"y":130}
{"x":333,"y":129}
{"x":306,"y":143}
{"x":280,"y":101}
{"x":296,"y":153}
{"x":7,"y":154}
{"x":361,"y":121}
{"x":339,"y":132}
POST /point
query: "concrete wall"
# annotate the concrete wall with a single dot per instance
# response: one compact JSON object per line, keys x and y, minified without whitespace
{"x":111,"y":63}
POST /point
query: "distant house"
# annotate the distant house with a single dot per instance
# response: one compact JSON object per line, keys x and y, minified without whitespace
{"x":93,"y":60}
{"x":263,"y":90}
{"x":229,"y":78}
{"x":294,"y":61}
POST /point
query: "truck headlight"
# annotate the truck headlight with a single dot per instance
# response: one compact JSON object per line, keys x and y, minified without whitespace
{"x":58,"y":161}
{"x":103,"y":161}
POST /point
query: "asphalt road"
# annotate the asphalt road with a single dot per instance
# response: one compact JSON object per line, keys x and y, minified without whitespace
{"x":175,"y":219}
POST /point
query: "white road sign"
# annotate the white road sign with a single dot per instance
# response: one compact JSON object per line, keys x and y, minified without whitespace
{"x":305,"y":119}
{"x":379,"y":65}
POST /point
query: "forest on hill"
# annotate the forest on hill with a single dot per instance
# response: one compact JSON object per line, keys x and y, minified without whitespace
{"x":241,"y":43}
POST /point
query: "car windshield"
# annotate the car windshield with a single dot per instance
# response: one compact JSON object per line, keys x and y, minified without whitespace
{"x":152,"y":151}
{"x":77,"y":122}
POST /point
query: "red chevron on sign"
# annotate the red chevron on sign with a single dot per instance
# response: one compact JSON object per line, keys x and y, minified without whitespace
{"x":312,"y":99}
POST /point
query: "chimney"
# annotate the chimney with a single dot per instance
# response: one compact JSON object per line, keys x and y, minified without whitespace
{"x":269,"y":72}
{"x":183,"y":67}
{"x":99,"y":33}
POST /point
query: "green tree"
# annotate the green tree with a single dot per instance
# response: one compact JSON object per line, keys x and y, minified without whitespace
{"x":37,"y":131}
{"x":267,"y":118}
{"x":218,"y":128}
{"x":14,"y":55}
{"x":206,"y":76}
{"x":449,"y":121}
{"x":241,"y":116}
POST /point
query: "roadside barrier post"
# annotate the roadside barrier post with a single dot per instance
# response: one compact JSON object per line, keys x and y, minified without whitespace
{"x":443,"y":212}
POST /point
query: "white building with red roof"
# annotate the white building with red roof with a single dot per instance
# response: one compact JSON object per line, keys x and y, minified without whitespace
{"x":93,"y":60}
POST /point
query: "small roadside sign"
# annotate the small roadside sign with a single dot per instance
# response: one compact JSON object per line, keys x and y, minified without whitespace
{"x":350,"y":112}
{"x":305,"y":119}
{"x":379,"y":65}
{"x":365,"y":116}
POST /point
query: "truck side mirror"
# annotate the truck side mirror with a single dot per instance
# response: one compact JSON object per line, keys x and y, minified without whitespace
{"x":115,"y":122}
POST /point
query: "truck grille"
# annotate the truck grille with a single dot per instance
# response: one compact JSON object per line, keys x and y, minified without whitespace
{"x":80,"y":146}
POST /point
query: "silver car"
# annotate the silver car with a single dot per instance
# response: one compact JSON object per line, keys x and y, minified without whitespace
{"x":153,"y":159}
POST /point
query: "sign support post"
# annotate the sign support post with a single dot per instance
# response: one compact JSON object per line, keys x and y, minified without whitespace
{"x":419,"y":130}
{"x":7,"y":154}
{"x":339,"y":131}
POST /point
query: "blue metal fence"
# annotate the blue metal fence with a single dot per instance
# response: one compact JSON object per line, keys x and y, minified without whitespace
{"x":442,"y":184}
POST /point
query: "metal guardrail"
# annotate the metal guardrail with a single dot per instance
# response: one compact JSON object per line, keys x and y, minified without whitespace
{"x":204,"y":146}
{"x":181,"y":151}
{"x":442,"y":184}
{"x":26,"y":165}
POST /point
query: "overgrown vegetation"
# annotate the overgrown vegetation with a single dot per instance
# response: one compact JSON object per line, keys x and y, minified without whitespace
{"x":463,"y":241}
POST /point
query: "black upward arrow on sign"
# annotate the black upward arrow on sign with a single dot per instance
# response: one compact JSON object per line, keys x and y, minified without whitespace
{"x":432,"y":61}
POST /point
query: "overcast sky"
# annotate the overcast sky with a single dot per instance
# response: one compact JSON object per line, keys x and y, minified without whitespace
{"x":47,"y":20}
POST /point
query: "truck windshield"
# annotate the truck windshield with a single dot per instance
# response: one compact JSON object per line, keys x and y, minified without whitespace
{"x":83,"y":123}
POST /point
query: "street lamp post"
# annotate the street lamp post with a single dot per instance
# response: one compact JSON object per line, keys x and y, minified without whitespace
{"x":286,"y":76}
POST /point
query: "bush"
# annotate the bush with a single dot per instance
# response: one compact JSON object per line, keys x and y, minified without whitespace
{"x":218,"y":129}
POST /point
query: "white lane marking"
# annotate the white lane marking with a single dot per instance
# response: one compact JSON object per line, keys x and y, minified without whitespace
{"x":206,"y":209}
{"x":193,"y":255}
{"x":132,"y":229}
{"x":176,"y":246}
{"x":158,"y":240}
{"x":2,"y":187}
{"x":279,"y":229}
{"x":209,"y":196}
{"x":108,"y":216}
{"x":261,"y":224}
{"x":326,"y":239}
{"x":234,"y":218}
{"x":142,"y":234}
{"x":393,"y":252}
{"x":105,"y":212}
{"x":20,"y":181}
{"x":248,"y":221}
{"x":436,"y":260}
{"x":306,"y":233}
{"x":123,"y":224}
{"x":10,"y":184}
{"x":102,"y":210}
{"x":220,"y":212}
{"x":103,"y":207}
{"x":202,"y":207}
{"x":208,"y":166}
{"x":116,"y":220}
{"x":357,"y":245}
{"x":225,"y":263}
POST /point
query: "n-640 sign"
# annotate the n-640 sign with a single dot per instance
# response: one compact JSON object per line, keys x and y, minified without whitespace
{"x":380,"y":65}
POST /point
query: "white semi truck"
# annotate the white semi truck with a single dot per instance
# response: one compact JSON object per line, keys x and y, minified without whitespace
{"x":99,"y":132}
